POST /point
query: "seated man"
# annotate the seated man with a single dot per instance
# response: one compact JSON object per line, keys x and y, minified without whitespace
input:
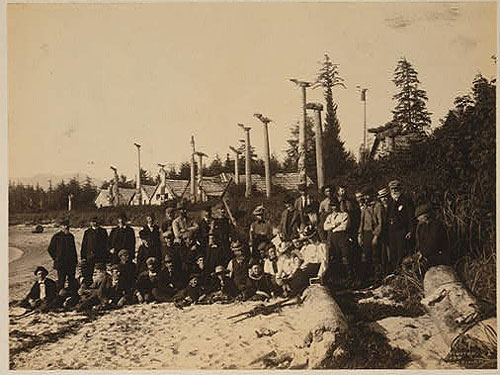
{"x":258,"y":285}
{"x":314,"y":254}
{"x":299,"y":280}
{"x":147,"y":281}
{"x":89,"y":296}
{"x":42,"y":292}
{"x":222,"y":284}
{"x":112,"y":293}
{"x":189,"y":294}
{"x":238,"y":266}
{"x":128,"y":272}
{"x":204,"y":279}
{"x":170,"y":281}
{"x":67,"y":297}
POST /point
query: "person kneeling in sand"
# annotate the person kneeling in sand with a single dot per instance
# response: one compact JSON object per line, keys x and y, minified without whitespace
{"x":42,"y":293}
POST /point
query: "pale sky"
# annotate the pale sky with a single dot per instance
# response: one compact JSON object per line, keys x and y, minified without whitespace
{"x":85,"y":81}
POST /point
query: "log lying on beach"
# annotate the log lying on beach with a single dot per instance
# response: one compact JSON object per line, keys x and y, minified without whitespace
{"x":323,"y":323}
{"x":453,"y":308}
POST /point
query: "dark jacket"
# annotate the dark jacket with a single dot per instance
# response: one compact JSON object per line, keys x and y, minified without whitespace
{"x":240,"y":274}
{"x":146,"y":283}
{"x":95,"y":245}
{"x":171,"y":281}
{"x":62,"y":250}
{"x":289,"y":224}
{"x":108,"y":291}
{"x":226,"y":286}
{"x":147,"y":252}
{"x":154,"y":235}
{"x":128,"y":275}
{"x":216,"y":256}
{"x":122,"y":238}
{"x":221,"y":229}
{"x":400,"y":215}
{"x":432,"y":242}
{"x":50,"y":290}
{"x":263,"y":284}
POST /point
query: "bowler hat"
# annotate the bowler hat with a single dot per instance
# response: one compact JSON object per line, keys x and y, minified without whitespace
{"x":394,"y":184}
{"x":422,"y":209}
{"x":42,"y":269}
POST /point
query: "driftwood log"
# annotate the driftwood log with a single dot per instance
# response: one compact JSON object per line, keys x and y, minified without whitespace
{"x":454,"y":310}
{"x":322,"y":323}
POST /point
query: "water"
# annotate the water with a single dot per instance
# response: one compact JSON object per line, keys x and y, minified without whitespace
{"x":14,"y":253}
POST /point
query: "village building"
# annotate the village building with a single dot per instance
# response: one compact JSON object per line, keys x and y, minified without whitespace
{"x":390,"y":138}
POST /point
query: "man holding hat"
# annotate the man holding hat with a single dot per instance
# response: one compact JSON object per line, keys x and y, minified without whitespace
{"x":432,"y":245}
{"x":400,"y":216}
{"x":42,"y":293}
{"x":62,"y":250}
{"x":94,"y":249}
{"x":261,"y":230}
{"x":121,"y":237}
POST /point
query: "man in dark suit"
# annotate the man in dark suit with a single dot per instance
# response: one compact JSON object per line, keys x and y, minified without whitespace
{"x":62,"y":250}
{"x":94,"y":249}
{"x":42,"y":293}
{"x":301,"y":203}
{"x":400,"y":224}
{"x":121,"y":237}
{"x":290,"y":221}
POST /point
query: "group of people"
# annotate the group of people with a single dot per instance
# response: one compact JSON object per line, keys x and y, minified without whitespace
{"x":204,"y":260}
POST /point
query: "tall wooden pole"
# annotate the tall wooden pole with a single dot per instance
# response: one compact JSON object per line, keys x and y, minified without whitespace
{"x":116,"y":200}
{"x":248,"y":160}
{"x":302,"y":132}
{"x":200,"y":174}
{"x":236,"y":168}
{"x":192,"y":176}
{"x":138,"y":185}
{"x":265,"y":121}
{"x":317,"y":108}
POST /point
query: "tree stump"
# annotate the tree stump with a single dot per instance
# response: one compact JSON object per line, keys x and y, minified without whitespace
{"x":323,"y":322}
{"x":453,"y":308}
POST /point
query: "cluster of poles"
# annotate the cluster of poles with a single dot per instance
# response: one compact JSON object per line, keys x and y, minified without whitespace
{"x":196,"y":182}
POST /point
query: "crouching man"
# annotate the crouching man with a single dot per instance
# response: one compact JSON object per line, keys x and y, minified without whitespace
{"x":113,"y":293}
{"x":42,"y":293}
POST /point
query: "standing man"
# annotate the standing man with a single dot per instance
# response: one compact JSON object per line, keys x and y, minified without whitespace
{"x":290,"y":221}
{"x":94,"y":249}
{"x":121,"y":237}
{"x":400,"y":214}
{"x":182,"y":225}
{"x":221,"y":228}
{"x":261,"y":230}
{"x":380,"y":230}
{"x":62,"y":250}
{"x":153,"y":231}
{"x":370,"y":259}
{"x":301,"y":203}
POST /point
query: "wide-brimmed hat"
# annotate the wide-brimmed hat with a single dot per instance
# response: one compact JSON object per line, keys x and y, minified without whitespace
{"x":422,"y":209}
{"x":394,"y":184}
{"x":382,"y":193}
{"x":220,"y":270}
{"x":236,"y":246}
{"x":259,"y":210}
{"x":308,"y":231}
{"x":42,"y":269}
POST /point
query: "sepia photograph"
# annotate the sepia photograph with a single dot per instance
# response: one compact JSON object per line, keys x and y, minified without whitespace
{"x":224,"y":186}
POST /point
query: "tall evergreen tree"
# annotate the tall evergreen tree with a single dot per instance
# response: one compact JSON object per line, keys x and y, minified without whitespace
{"x":335,"y":157}
{"x":411,"y":109}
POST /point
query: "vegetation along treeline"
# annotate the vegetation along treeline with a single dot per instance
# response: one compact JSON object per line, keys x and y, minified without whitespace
{"x":453,"y":166}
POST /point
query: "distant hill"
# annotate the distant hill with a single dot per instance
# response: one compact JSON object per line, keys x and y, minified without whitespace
{"x":43,"y":179}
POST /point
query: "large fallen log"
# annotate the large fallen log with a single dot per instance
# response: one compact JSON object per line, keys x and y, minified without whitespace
{"x":455,"y":311}
{"x":322,"y":323}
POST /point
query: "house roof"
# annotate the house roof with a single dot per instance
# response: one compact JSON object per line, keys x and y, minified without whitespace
{"x":149,"y":190}
{"x":178,"y":187}
{"x":287,"y":181}
{"x":213,"y":186}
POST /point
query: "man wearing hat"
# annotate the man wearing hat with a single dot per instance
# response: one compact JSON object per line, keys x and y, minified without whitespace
{"x":121,"y":237}
{"x":112,"y":293}
{"x":128,"y":272}
{"x":400,"y":216}
{"x":370,"y":256}
{"x":238,"y":266}
{"x":380,"y":230}
{"x":62,"y":250}
{"x":182,"y":224}
{"x":147,"y":281}
{"x":258,"y":284}
{"x":431,"y":239}
{"x":223,"y":284}
{"x":94,"y":249}
{"x":170,"y":280}
{"x":301,"y":203}
{"x":290,"y":221}
{"x":89,"y":296}
{"x":42,"y":293}
{"x":261,"y":230}
{"x":314,"y":254}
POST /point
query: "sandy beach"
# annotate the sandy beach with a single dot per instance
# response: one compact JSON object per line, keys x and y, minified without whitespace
{"x":160,"y":336}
